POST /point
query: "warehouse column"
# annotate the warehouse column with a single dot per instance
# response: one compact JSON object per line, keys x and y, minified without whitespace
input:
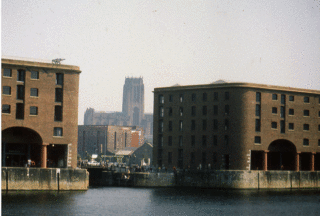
{"x":312,"y":161}
{"x":265,"y":161}
{"x":43,"y":159}
{"x":298,"y":161}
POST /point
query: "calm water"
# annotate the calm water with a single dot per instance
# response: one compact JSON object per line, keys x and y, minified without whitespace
{"x":162,"y":201}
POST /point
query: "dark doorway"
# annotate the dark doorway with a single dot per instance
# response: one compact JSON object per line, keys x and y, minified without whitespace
{"x":282,"y":155}
{"x":305,"y":162}
{"x":57,"y":156}
{"x":257,"y":158}
{"x":317,"y":161}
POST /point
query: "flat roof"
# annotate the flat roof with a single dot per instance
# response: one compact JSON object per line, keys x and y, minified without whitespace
{"x":236,"y":85}
{"x":38,"y":64}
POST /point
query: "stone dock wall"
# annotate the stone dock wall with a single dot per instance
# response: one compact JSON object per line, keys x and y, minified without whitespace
{"x":18,"y":178}
{"x":215,"y":179}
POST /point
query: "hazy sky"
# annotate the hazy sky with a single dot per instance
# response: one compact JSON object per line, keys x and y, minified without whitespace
{"x":167,"y":42}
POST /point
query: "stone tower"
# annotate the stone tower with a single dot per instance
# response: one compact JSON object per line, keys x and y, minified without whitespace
{"x":133,"y":100}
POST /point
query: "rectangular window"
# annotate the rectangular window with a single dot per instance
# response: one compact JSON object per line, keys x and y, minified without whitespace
{"x":226,"y":109}
{"x":181,"y":111}
{"x":161,"y":112}
{"x":169,"y":157}
{"x":306,"y":127}
{"x":58,"y":95}
{"x":180,"y":125}
{"x":6,"y":108}
{"x":274,"y":125}
{"x":226,"y":140}
{"x":291,"y":98}
{"x":204,"y":97}
{"x":21,"y":75}
{"x":180,"y":153}
{"x":34,"y":74}
{"x":318,"y":142}
{"x":33,"y":110}
{"x":170,"y":98}
{"x":215,"y":96}
{"x":181,"y":98}
{"x":306,"y":113}
{"x":193,"y":158}
{"x":215,"y":124}
{"x":282,"y":112}
{"x":20,"y":92}
{"x":204,"y":140}
{"x":274,"y":110}
{"x":258,"y":125}
{"x":58,"y":113}
{"x":193,"y":97}
{"x":283,"y":99}
{"x":170,"y":111}
{"x":318,"y":127}
{"x":160,"y":126}
{"x":258,"y":97}
{"x":7,"y":72}
{"x":282,"y":126}
{"x":59,"y":79}
{"x":19,"y":111}
{"x":204,"y":110}
{"x":180,"y":141}
{"x":291,"y":111}
{"x":57,"y":131}
{"x":257,"y":140}
{"x":306,"y":142}
{"x":291,"y":126}
{"x":226,"y":95}
{"x":193,"y":110}
{"x":193,"y":124}
{"x":6,"y":90}
{"x":169,"y":140}
{"x":306,"y":99}
{"x":274,"y":97}
{"x":226,"y":124}
{"x":204,"y":125}
{"x":170,"y":125}
{"x":215,"y":140}
{"x":34,"y":92}
{"x":193,"y":140}
{"x":215,"y":110}
{"x":160,"y":141}
{"x":161,"y":99}
{"x":258,"y":110}
{"x":319,"y":114}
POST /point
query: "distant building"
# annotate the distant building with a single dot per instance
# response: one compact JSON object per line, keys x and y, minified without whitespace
{"x":142,"y":155}
{"x":39,"y":113}
{"x":101,"y":139}
{"x":132,"y":110}
{"x":238,"y":126}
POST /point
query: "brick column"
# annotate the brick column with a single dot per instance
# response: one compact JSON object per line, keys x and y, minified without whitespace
{"x":265,"y":161}
{"x":312,"y":161}
{"x":43,"y":159}
{"x":298,"y":161}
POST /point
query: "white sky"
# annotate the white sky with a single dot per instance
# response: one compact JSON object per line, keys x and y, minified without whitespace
{"x":167,"y":42}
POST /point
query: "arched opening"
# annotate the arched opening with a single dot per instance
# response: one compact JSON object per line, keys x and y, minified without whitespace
{"x":282,"y":155}
{"x":136,"y":116}
{"x":20,"y":145}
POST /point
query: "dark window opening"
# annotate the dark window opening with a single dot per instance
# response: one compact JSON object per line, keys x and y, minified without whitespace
{"x":33,"y":110}
{"x":282,"y":112}
{"x":169,"y":140}
{"x":258,"y":110}
{"x":193,"y":124}
{"x":274,"y":97}
{"x":193,"y":97}
{"x":215,"y":110}
{"x":193,"y":140}
{"x":58,"y":113}
{"x":306,"y":99}
{"x":291,"y":98}
{"x":257,"y":139}
{"x":169,"y":157}
{"x":215,"y":124}
{"x":204,"y":140}
{"x":291,"y":111}
{"x":215,"y":96}
{"x":258,"y":97}
{"x":291,"y":126}
{"x":59,"y":79}
{"x":58,"y":95}
{"x":274,"y":125}
{"x":19,"y":111}
{"x":282,"y":126}
{"x":215,"y":140}
{"x":305,"y":142}
{"x":170,"y":111}
{"x":34,"y":92}
{"x":57,"y":131}
{"x":20,"y":92}
{"x":274,"y":110}
{"x":226,"y":95}
{"x":204,"y":110}
{"x":21,"y":75}
{"x":193,"y":158}
{"x":6,"y":108}
{"x":193,"y":110}
{"x":306,"y":127}
{"x":204,"y":97}
{"x":306,"y":113}
{"x":6,"y":90}
{"x":170,"y":98}
{"x":227,"y":109}
{"x":7,"y":72}
{"x":180,"y":141}
{"x":181,"y":111}
{"x":181,"y":98}
{"x":283,"y":99}
{"x":226,"y":124}
{"x":258,"y":125}
{"x":34,"y":74}
{"x":170,"y":125}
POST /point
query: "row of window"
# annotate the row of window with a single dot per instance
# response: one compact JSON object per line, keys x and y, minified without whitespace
{"x":193,"y":110}
{"x":34,"y":75}
{"x":291,"y":112}
{"x":34,"y":92}
{"x":283,"y":98}
{"x":193,"y":157}
{"x":194,"y":97}
{"x":193,"y":125}
{"x":274,"y":125}
{"x":193,"y":140}
{"x":6,"y":108}
{"x":305,"y":142}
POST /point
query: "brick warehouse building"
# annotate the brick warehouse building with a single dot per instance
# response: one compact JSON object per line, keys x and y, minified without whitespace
{"x":39,"y":113}
{"x":238,"y":126}
{"x":101,"y":139}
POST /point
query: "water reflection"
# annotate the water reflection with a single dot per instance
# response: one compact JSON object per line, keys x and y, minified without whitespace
{"x":161,"y":201}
